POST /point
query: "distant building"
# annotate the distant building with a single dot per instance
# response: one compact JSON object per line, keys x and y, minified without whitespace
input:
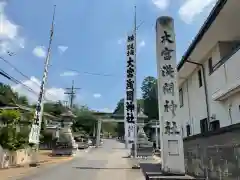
{"x":209,"y":73}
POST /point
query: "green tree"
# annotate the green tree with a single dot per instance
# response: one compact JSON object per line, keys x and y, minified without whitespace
{"x":120,"y":107}
{"x":119,"y":110}
{"x":7,"y":96}
{"x":109,"y":127}
{"x":10,"y":117}
{"x":55,"y":109}
{"x":84,"y":121}
{"x":11,"y":137}
{"x":149,"y":95}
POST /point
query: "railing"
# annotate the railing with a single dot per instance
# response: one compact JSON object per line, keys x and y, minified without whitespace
{"x":225,"y":73}
{"x":226,"y":58}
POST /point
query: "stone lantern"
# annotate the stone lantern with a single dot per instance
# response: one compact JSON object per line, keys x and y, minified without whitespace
{"x":66,"y":142}
{"x":143,"y":144}
{"x":142,"y":139}
{"x":67,"y":120}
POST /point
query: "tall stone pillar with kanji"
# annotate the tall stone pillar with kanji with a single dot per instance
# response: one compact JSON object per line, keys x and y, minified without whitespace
{"x":168,"y":98}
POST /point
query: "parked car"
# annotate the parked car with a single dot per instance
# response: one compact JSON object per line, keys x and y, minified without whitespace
{"x":82,"y":143}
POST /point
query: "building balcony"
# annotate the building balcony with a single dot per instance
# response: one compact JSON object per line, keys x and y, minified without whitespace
{"x":225,"y":79}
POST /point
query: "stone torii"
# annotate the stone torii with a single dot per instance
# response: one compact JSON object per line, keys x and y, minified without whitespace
{"x":110,"y":117}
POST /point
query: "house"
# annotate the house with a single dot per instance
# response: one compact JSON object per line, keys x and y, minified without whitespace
{"x":49,"y":119}
{"x":209,"y":73}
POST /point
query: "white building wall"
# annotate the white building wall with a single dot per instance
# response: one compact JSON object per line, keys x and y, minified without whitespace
{"x":215,"y":82}
{"x":182,"y":113}
{"x":194,"y":108}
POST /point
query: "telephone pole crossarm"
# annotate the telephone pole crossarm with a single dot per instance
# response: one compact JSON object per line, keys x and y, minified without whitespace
{"x":71,"y":92}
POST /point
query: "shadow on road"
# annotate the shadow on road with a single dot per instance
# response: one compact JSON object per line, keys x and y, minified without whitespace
{"x":90,"y":168}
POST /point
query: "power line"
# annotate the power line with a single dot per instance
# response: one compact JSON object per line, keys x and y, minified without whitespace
{"x":6,"y":75}
{"x":20,"y":72}
{"x":14,"y":80}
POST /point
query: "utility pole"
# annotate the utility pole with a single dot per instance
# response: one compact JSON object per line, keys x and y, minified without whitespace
{"x":36,"y":126}
{"x":71,"y":92}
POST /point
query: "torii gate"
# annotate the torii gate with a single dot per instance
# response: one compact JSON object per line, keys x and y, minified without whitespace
{"x":118,"y":118}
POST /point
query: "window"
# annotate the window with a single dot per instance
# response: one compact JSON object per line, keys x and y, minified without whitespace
{"x":181,"y":97}
{"x":188,"y":128}
{"x":203,"y":125}
{"x":200,"y":77}
{"x":210,"y":66}
{"x":215,"y":125}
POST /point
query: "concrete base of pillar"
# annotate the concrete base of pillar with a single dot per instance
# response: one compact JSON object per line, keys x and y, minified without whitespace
{"x":173,"y":155}
{"x":34,"y":158}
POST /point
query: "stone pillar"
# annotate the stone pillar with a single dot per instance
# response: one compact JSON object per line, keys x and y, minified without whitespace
{"x":126,"y":136}
{"x":156,"y":135}
{"x":98,"y":133}
{"x":168,"y":97}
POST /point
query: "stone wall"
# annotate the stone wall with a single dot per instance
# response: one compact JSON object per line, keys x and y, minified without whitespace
{"x":215,"y":155}
{"x":17,"y":158}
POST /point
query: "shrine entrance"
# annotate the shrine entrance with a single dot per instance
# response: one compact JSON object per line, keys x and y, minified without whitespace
{"x":103,"y":117}
{"x":116,"y":118}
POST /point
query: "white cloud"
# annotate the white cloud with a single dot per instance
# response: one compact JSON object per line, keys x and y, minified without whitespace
{"x":62,"y":49}
{"x":97,"y":95}
{"x":9,"y":33}
{"x":69,"y":73}
{"x":52,"y":94}
{"x":192,"y":8}
{"x":40,"y":51}
{"x":161,"y":4}
{"x":142,"y":44}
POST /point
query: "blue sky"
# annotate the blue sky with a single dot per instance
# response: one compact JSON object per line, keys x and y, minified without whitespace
{"x":89,"y":37}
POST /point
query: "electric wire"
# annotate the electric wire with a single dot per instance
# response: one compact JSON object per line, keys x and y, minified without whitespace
{"x":20,"y":72}
{"x":14,"y":80}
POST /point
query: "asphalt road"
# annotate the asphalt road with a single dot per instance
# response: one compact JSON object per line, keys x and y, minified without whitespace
{"x":102,"y":163}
